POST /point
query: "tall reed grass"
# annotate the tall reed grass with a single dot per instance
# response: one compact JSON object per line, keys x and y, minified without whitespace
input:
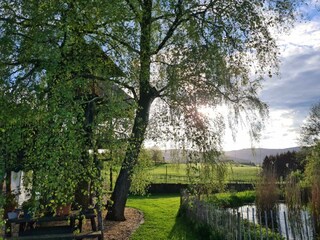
{"x":267,"y":192}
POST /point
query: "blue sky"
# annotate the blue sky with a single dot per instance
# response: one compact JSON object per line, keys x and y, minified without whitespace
{"x":291,"y":94}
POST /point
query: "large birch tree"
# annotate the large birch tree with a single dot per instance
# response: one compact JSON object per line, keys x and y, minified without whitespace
{"x":184,"y":53}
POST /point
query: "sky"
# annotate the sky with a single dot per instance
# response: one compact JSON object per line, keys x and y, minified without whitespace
{"x":291,"y":94}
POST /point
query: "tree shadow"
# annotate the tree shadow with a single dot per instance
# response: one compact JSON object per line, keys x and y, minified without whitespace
{"x":182,"y":230}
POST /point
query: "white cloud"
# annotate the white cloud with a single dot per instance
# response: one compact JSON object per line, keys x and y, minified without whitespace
{"x":279,"y":132}
{"x":304,"y":37}
{"x":291,"y":95}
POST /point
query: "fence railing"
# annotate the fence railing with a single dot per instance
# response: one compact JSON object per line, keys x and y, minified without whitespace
{"x":248,"y":223}
{"x":170,"y":178}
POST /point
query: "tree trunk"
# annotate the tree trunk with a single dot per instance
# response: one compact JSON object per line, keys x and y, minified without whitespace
{"x":146,"y":96}
{"x":123,"y":183}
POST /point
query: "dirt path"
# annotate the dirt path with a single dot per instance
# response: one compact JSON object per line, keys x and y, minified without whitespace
{"x":121,"y":230}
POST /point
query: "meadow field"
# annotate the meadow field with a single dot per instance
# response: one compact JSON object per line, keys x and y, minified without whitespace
{"x":177,"y":173}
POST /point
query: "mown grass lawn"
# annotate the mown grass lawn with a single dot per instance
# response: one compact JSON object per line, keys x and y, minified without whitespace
{"x":161,"y":221}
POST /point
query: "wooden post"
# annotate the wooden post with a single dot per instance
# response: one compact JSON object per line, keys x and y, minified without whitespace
{"x":306,"y":223}
{"x":239,"y":226}
{"x":260,"y":224}
{"x":249,"y":233}
{"x":266,"y":222}
{"x":272,"y":225}
{"x":285,"y":224}
{"x":279,"y":223}
{"x":254,"y":224}
{"x":166,"y":174}
{"x":313,"y":226}
{"x":243,"y":226}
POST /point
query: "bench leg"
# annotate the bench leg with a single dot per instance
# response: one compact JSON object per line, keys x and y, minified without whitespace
{"x":93,"y":224}
{"x":8,"y":230}
{"x":22,"y":227}
{"x":80,"y":225}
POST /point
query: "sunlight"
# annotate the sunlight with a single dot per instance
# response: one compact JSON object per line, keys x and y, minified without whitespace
{"x":232,"y":139}
{"x":212,"y":112}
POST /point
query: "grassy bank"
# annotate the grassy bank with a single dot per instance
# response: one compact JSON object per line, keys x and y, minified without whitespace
{"x":161,"y":220}
{"x":232,"y":200}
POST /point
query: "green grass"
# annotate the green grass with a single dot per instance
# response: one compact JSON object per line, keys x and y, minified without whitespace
{"x":176,"y":173}
{"x":243,"y":173}
{"x":161,"y":221}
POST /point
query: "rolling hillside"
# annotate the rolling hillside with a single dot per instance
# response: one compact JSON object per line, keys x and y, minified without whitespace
{"x":255,"y":156}
{"x":249,"y":155}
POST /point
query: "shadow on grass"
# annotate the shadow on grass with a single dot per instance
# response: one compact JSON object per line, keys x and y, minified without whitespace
{"x":183,"y":230}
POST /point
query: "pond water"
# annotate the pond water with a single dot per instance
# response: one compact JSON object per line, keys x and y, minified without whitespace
{"x":290,"y":225}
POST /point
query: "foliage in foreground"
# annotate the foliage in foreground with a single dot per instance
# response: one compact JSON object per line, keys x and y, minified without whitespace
{"x":310,"y":130}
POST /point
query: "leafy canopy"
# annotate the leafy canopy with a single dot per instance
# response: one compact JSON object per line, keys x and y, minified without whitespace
{"x":46,"y":123}
{"x":184,"y":53}
{"x":310,"y":130}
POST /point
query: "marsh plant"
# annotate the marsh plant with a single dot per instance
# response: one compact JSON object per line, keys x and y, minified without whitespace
{"x":312,"y":174}
{"x":294,"y":202}
{"x":267,"y":195}
{"x":267,"y":192}
{"x":293,"y":191}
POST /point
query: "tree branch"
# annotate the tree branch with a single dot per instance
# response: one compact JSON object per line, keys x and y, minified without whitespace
{"x":130,"y":88}
{"x":177,"y":21}
{"x":133,"y":9}
{"x":20,"y":79}
{"x":162,"y":90}
{"x":123,"y":43}
{"x":164,"y":16}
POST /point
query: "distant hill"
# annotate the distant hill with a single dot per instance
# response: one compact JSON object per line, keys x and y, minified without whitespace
{"x":256,"y":155}
{"x":248,"y":155}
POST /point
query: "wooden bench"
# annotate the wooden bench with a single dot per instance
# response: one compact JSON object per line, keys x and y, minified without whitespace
{"x":96,"y":234}
{"x":68,"y":229}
